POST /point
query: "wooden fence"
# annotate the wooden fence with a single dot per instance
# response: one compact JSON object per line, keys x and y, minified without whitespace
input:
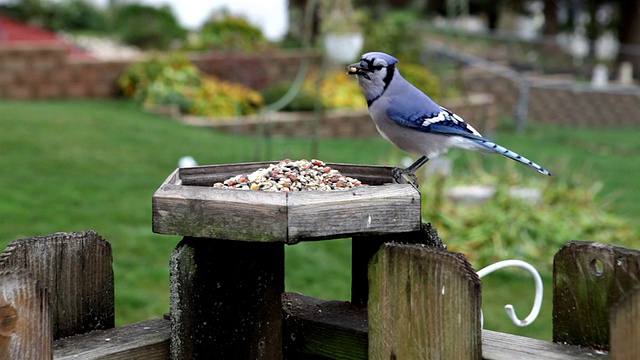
{"x":411,"y":298}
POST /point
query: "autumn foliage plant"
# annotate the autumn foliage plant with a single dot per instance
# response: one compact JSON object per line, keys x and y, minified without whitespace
{"x":175,"y":81}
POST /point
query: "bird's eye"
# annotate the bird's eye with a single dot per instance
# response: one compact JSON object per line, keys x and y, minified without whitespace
{"x":366,"y":76}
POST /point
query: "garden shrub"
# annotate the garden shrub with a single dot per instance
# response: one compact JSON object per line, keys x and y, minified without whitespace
{"x":228,"y":32}
{"x":65,"y":15}
{"x":395,"y":35}
{"x":147,"y":27}
{"x":174,"y":80}
{"x":509,"y":228}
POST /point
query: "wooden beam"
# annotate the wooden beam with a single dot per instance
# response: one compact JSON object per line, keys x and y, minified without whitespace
{"x":320,"y":328}
{"x":76,"y":269}
{"x":26,"y":325}
{"x":501,"y":346}
{"x":365,"y":247}
{"x":423,"y":304}
{"x":339,"y":330}
{"x":147,"y":340}
{"x":226,"y":299}
{"x":588,"y":279}
{"x":625,"y":328}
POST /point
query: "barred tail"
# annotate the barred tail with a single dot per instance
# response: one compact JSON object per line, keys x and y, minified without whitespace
{"x":512,"y":155}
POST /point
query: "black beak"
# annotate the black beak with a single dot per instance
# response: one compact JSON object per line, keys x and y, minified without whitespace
{"x":355,"y":69}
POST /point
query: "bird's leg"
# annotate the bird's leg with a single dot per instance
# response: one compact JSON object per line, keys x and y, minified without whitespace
{"x":409,"y":171}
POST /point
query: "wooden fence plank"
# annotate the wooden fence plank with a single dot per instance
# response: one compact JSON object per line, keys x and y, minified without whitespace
{"x":226,"y":299}
{"x":26,"y":326}
{"x":625,"y":327}
{"x":148,"y":340}
{"x":423,"y":304}
{"x":320,"y":328}
{"x":588,"y":278}
{"x":76,"y":268}
{"x":500,"y":346}
{"x":310,"y":323}
{"x":363,"y":248}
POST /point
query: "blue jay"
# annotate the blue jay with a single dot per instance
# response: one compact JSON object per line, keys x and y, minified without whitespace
{"x":410,"y":120}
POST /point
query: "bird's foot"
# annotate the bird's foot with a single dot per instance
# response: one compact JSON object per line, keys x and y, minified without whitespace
{"x":410,"y":177}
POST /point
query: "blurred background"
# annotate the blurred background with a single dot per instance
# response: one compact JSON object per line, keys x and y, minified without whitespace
{"x":99,"y":101}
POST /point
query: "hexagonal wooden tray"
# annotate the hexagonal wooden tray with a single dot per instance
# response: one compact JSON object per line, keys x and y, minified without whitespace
{"x":186,"y":204}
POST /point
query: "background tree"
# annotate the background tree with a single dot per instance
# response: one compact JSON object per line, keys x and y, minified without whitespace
{"x":148,"y":27}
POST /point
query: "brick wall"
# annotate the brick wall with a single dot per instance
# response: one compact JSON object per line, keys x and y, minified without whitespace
{"x":39,"y":71}
{"x":257,"y":71}
{"x":558,"y":101}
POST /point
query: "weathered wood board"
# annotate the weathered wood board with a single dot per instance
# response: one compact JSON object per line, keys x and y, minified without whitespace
{"x":625,"y":327}
{"x":76,"y":269}
{"x":187,"y":205}
{"x":424,"y":303}
{"x":588,"y":279}
{"x":148,"y":340}
{"x":328,"y":329}
{"x":26,"y":326}
{"x":315,"y":328}
{"x":226,"y":299}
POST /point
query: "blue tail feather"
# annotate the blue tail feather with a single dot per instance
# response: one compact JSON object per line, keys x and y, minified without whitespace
{"x":512,"y":155}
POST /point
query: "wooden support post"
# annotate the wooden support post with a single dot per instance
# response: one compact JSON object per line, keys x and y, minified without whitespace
{"x":363,"y":248}
{"x":25,"y":317}
{"x":319,"y":329}
{"x":588,"y":278}
{"x":226,"y":299}
{"x":76,"y":269}
{"x":625,"y":331}
{"x":423,"y":304}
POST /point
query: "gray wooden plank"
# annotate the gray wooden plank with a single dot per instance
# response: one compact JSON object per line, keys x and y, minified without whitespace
{"x":26,"y":324}
{"x":358,"y":211}
{"x":220,"y":213}
{"x":501,"y":346}
{"x":315,"y":327}
{"x":328,"y":329}
{"x":588,"y":279}
{"x":424,"y":303}
{"x":625,"y":332}
{"x":143,"y":340}
{"x":226,"y":299}
{"x":76,"y":269}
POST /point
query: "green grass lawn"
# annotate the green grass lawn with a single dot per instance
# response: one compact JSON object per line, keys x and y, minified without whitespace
{"x":75,"y":165}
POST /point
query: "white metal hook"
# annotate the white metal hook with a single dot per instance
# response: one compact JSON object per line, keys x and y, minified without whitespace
{"x":537,"y":303}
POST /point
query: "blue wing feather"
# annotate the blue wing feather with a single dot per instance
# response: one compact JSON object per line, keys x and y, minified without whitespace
{"x":436,"y":119}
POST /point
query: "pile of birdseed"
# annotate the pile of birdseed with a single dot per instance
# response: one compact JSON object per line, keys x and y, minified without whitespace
{"x":288,"y":175}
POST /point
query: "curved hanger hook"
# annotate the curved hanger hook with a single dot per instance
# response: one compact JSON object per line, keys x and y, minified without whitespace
{"x":537,"y":303}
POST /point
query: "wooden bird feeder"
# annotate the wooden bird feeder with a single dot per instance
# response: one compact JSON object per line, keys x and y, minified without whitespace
{"x":186,"y":204}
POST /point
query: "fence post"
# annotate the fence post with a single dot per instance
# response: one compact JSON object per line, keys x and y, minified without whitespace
{"x":588,"y":279}
{"x":76,"y":269}
{"x":226,"y":299}
{"x":363,"y":248}
{"x":625,"y":332}
{"x":25,"y":317}
{"x":423,"y":304}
